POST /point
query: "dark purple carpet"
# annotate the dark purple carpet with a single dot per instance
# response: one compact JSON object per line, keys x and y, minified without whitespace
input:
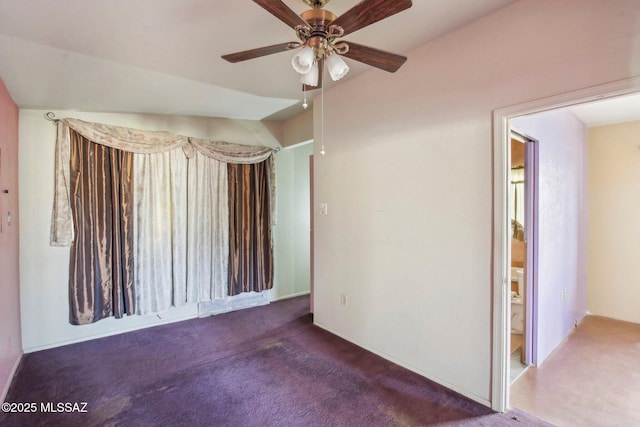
{"x":265,"y":366}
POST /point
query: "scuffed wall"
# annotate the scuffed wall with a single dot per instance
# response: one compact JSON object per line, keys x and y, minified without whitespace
{"x":10,"y":335}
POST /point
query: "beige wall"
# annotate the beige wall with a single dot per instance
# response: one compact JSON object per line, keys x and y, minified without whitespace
{"x":407,"y":177}
{"x":613,"y":278}
{"x":10,"y":337}
{"x":298,"y":128}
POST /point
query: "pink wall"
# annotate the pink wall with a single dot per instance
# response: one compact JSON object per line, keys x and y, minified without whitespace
{"x":562,"y":224}
{"x":10,"y":336}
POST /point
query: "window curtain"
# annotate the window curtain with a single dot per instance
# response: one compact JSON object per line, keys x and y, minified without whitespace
{"x":174,"y":224}
{"x":101,"y":262}
{"x":250,"y":244}
{"x":135,"y":141}
{"x":208,"y":222}
{"x":129,"y":140}
{"x":160,"y":231}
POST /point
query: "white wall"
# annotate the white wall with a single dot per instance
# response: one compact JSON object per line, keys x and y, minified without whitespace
{"x":614,"y":221}
{"x":562,"y":224}
{"x":293,"y":223}
{"x":407,"y":176}
{"x":302,"y":194}
{"x":44,"y":269}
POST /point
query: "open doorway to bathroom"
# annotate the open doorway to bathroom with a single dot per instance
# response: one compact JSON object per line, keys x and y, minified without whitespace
{"x":561,"y":266}
{"x":522,"y":202}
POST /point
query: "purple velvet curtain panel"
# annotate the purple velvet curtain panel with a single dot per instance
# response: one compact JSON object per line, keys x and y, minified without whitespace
{"x":250,"y":244}
{"x":101,"y":265}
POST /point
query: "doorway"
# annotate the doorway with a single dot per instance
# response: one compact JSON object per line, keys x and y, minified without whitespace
{"x":502,"y":238}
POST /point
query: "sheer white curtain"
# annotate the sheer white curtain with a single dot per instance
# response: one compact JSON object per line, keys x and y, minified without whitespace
{"x":160,"y":231}
{"x":208,"y":222}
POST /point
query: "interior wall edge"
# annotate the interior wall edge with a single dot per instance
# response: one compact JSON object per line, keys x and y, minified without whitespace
{"x":10,"y":317}
{"x":12,"y":373}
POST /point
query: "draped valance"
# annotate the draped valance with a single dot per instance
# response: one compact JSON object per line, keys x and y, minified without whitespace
{"x":140,"y":142}
{"x":153,"y":142}
{"x":125,"y":139}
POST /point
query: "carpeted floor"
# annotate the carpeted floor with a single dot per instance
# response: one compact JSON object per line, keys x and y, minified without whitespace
{"x":265,"y":366}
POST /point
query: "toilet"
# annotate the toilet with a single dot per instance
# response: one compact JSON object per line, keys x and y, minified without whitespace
{"x":517,"y":307}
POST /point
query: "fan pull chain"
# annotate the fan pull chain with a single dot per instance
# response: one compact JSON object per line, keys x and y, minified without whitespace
{"x":322,"y":152}
{"x":304,"y":91}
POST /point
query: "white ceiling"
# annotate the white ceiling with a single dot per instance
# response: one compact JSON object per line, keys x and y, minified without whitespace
{"x":163,"y":56}
{"x":608,"y":111}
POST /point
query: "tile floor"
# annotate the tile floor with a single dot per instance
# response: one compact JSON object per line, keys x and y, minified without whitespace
{"x":516,"y":367}
{"x":593,"y":379}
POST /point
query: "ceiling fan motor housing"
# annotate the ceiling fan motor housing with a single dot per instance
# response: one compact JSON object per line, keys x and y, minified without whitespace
{"x":319,"y":20}
{"x":320,"y":34}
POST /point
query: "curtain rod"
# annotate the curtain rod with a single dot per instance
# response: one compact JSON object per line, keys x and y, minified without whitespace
{"x":52,"y":118}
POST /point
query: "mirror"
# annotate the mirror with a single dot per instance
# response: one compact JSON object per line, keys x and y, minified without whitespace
{"x":516,"y":190}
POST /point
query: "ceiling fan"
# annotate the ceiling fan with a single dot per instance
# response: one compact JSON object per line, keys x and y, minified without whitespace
{"x":320,"y":32}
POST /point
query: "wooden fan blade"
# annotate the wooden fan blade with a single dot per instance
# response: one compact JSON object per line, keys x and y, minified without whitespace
{"x":367,"y":12}
{"x":375,"y":57}
{"x":281,"y":11}
{"x":261,"y":51}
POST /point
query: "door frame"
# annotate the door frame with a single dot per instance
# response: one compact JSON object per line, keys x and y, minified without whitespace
{"x":501,"y":247}
{"x":311,"y":236}
{"x":531,"y":236}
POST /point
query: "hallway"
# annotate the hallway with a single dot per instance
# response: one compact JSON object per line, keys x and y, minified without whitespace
{"x":593,"y":379}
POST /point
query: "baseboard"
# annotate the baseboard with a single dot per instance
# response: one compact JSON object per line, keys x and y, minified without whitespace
{"x":13,"y":371}
{"x":299,"y":294}
{"x":237,"y":302}
{"x":240,"y":302}
{"x":139,"y":327}
{"x":562,"y":342}
{"x":110,"y":333}
{"x":420,"y":372}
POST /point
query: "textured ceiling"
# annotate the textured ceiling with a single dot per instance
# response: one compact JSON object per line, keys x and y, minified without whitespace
{"x":163,"y":56}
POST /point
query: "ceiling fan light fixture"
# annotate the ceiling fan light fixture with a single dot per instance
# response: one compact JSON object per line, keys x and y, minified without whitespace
{"x":302,"y":61}
{"x":311,"y":78}
{"x":337,"y":67}
{"x":320,"y":34}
